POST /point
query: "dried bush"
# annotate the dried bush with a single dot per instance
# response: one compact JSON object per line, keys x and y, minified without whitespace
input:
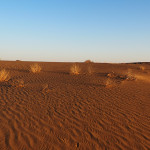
{"x":142,"y":68}
{"x":4,"y":75}
{"x":75,"y":69}
{"x":35,"y":68}
{"x":130,"y":76}
{"x":90,"y":69}
{"x":111,"y":75}
{"x":109,"y":82}
{"x":88,"y":61}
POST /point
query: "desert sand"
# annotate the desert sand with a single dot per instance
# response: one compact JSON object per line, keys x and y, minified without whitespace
{"x":54,"y":109}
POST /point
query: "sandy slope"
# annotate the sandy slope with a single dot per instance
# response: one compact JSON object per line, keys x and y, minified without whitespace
{"x":74,"y":112}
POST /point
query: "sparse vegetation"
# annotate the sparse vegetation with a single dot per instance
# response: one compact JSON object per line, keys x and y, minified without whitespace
{"x":109,"y":82}
{"x":4,"y":75}
{"x":75,"y":69}
{"x":127,"y":76}
{"x":88,"y":61}
{"x":35,"y":68}
{"x":142,"y":68}
{"x":90,"y":69}
{"x":130,"y":76}
{"x":114,"y":78}
{"x":111,"y":75}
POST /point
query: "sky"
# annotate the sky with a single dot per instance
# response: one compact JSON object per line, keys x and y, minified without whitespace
{"x":75,"y":30}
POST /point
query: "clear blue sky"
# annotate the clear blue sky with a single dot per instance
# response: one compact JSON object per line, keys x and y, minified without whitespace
{"x":75,"y":30}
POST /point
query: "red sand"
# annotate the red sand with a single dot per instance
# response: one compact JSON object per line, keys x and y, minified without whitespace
{"x":56,"y":110}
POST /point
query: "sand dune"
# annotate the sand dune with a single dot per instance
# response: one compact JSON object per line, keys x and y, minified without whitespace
{"x":57,"y":110}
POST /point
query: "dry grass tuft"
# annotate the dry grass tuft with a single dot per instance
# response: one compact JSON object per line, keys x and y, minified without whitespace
{"x":109,"y":82}
{"x":88,"y":61}
{"x":75,"y":69}
{"x":4,"y":75}
{"x":111,"y":79}
{"x":142,"y":68}
{"x":114,"y":78}
{"x":35,"y":68}
{"x":90,"y":69}
{"x":111,"y":75}
{"x":130,"y":76}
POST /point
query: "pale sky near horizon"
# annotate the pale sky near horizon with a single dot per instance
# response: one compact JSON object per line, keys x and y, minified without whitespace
{"x":75,"y":30}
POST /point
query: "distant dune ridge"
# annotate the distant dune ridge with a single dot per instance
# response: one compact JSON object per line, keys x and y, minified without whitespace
{"x":70,"y":106}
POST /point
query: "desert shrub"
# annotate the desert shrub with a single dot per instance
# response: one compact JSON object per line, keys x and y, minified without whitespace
{"x":130,"y":76}
{"x":116,"y":76}
{"x":111,"y":75}
{"x":4,"y":75}
{"x":88,"y":61}
{"x":35,"y":68}
{"x":75,"y":69}
{"x":142,"y":68}
{"x":90,"y":69}
{"x":109,"y":82}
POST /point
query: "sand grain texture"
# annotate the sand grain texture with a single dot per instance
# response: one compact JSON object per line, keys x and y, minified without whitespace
{"x":74,"y":111}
